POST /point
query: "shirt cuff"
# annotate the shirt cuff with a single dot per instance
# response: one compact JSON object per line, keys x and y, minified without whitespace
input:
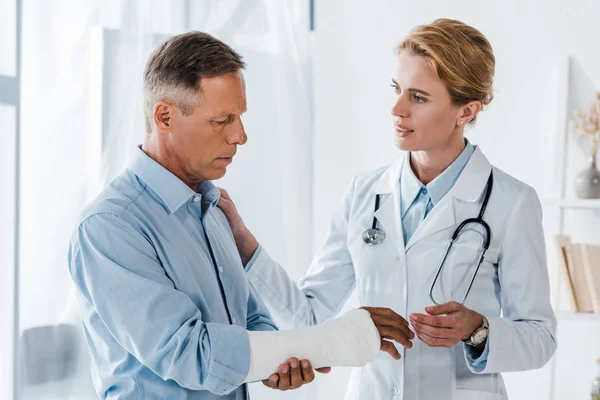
{"x":229,"y":357}
{"x":476,"y":358}
{"x":254,"y":257}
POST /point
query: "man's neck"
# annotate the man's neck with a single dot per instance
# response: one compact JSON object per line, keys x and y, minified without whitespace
{"x":161,"y":155}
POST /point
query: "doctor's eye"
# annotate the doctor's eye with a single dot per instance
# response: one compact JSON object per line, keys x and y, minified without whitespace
{"x":419,"y":99}
{"x":396,"y":88}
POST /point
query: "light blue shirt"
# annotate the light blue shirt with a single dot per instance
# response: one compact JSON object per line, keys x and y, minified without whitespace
{"x":417,"y":200}
{"x":166,"y":304}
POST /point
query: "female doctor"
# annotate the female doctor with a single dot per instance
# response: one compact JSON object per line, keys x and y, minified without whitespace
{"x":442,"y":237}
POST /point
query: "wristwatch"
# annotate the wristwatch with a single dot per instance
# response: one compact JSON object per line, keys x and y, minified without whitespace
{"x":479,"y":336}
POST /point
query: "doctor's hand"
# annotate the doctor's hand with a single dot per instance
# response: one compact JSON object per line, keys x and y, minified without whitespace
{"x":244,"y":240}
{"x":446,"y":324}
{"x":391,"y":326}
{"x":293,"y":375}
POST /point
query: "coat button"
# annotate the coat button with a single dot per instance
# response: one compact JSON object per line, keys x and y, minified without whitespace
{"x":220,"y":269}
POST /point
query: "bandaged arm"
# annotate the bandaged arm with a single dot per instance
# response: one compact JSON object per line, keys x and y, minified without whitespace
{"x":349,"y":341}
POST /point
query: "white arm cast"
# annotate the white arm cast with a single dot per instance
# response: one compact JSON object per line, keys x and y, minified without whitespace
{"x":349,"y":341}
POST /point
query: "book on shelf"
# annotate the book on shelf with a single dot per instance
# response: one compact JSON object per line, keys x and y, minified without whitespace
{"x":591,"y":268}
{"x":560,"y":244}
{"x":579,"y":271}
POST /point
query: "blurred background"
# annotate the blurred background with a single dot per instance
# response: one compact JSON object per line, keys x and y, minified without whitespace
{"x":319,"y":113}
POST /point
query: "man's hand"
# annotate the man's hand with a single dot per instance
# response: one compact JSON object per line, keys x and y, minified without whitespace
{"x":446,"y":325}
{"x":391,"y":326}
{"x":293,"y":375}
{"x":244,"y":240}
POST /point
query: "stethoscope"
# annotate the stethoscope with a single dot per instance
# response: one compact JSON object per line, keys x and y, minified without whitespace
{"x":376,"y":235}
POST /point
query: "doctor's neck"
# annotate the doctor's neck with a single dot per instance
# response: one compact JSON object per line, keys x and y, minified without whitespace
{"x":429,"y":164}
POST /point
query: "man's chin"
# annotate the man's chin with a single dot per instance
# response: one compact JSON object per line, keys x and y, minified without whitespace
{"x":217,"y":173}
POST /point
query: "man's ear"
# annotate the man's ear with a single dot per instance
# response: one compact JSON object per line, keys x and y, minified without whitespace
{"x":163,"y":112}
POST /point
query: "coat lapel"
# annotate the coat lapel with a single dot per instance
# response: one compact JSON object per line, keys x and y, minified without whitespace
{"x":388,"y":213}
{"x":469,"y":187}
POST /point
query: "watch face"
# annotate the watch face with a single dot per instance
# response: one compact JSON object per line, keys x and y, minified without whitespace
{"x":480,"y":336}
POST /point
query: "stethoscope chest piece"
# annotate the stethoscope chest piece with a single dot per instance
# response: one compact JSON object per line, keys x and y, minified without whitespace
{"x":373,"y":236}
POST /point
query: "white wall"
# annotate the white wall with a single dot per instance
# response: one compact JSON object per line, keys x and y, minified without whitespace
{"x":354,"y":63}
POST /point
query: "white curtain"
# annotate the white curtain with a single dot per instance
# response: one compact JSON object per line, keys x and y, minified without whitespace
{"x":82,"y":116}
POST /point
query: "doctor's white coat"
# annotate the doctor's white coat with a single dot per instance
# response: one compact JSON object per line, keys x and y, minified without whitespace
{"x":511,"y":288}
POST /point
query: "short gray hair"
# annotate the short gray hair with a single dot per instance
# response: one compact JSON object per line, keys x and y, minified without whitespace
{"x":176,"y":67}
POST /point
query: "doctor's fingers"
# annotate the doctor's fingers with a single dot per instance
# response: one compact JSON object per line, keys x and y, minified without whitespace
{"x":435,"y":342}
{"x":225,"y":194}
{"x":438,"y":333}
{"x":441,"y":321}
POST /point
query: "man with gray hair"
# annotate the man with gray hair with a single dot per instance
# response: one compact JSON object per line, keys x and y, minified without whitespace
{"x":168,"y":312}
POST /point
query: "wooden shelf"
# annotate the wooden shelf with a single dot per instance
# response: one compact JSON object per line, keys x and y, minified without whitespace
{"x":584,"y":204}
{"x":574,"y":316}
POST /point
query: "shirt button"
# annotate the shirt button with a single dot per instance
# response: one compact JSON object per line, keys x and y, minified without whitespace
{"x":197,"y":199}
{"x":424,"y":190}
{"x":220,"y":269}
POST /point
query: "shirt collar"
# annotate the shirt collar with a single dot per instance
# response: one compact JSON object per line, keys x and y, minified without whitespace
{"x":410,"y":186}
{"x":168,"y":187}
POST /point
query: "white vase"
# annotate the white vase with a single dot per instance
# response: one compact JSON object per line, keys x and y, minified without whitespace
{"x":587,"y":182}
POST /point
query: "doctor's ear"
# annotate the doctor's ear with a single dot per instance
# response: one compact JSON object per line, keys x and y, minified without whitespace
{"x":163,"y":114}
{"x":468,"y":112}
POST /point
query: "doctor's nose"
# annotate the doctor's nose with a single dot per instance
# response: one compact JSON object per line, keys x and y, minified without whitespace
{"x":400,"y":108}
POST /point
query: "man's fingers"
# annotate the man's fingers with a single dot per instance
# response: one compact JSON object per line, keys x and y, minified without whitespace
{"x":391,"y":325}
{"x":389,"y":348}
{"x":295,"y":373}
{"x":284,"y":377}
{"x":308,"y":374}
{"x":380,"y":311}
{"x":386,"y":316}
{"x":272,"y":381}
{"x":398,"y":324}
{"x":388,"y":332}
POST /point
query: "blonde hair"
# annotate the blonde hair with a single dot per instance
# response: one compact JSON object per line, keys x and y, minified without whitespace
{"x":459,"y":55}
